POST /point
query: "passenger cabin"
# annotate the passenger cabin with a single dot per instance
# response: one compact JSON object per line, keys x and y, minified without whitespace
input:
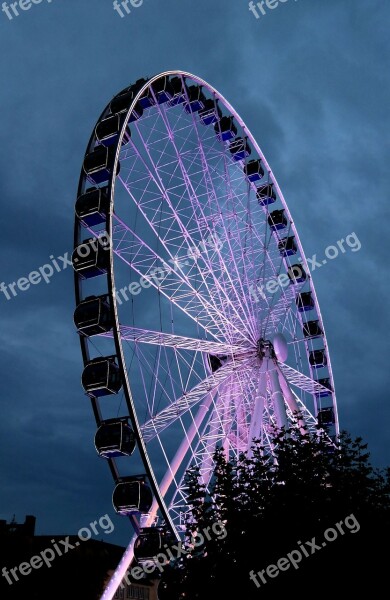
{"x":177,"y":87}
{"x":108,"y":130}
{"x":326,"y":417}
{"x":211,"y":113}
{"x":94,"y":316}
{"x":325,"y":382}
{"x":92,"y":207}
{"x":147,"y":99}
{"x":318,"y":359}
{"x":122,"y":102}
{"x":91,"y":258}
{"x":305,"y":302}
{"x":226,"y":130}
{"x":131,"y":496}
{"x":196,"y":100}
{"x":98,"y":165}
{"x":265,"y":194}
{"x":277,"y":220}
{"x":239,"y":149}
{"x":163,"y":90}
{"x":150,"y":542}
{"x":115,"y":439}
{"x":254,"y":171}
{"x":312,"y":329}
{"x":287,"y":246}
{"x":101,"y":377}
{"x":296,"y":274}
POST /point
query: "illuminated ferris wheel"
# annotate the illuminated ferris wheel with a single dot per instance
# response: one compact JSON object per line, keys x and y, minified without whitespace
{"x":198,"y":319}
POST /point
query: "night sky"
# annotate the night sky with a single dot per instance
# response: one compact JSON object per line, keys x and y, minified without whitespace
{"x":310,"y":78}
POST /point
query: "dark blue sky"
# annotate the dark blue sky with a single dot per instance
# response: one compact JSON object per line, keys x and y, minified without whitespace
{"x":310,"y":78}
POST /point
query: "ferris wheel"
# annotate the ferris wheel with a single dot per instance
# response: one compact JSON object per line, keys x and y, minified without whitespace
{"x":196,"y":311}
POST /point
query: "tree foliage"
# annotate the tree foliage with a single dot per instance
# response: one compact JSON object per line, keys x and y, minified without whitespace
{"x":271,"y":505}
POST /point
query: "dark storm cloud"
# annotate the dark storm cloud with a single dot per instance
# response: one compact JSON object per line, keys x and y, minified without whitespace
{"x":311,"y":81}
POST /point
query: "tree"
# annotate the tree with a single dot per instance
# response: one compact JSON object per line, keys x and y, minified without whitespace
{"x":323,"y":508}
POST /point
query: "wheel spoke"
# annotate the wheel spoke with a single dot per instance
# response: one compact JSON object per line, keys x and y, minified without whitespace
{"x":145,"y":336}
{"x":169,"y":415}
{"x":301,"y":381}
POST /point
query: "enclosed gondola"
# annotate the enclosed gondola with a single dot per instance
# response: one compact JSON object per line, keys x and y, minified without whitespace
{"x":132,"y":495}
{"x":317,"y":359}
{"x":151,"y":542}
{"x":239,"y":149}
{"x":326,"y":417}
{"x":91,"y":258}
{"x":266,"y":194}
{"x":163,"y":90}
{"x":178,"y":90}
{"x":115,"y":438}
{"x":99,"y":165}
{"x":108,"y":130}
{"x":305,"y":302}
{"x":195,"y":100}
{"x":122,"y":102}
{"x":312,"y":329}
{"x":254,"y":170}
{"x":225,"y":129}
{"x":211,"y":113}
{"x":94,"y":316}
{"x":92,"y":207}
{"x":101,"y":377}
{"x":326,"y":389}
{"x":287,"y":246}
{"x":296,"y":273}
{"x":277,"y":220}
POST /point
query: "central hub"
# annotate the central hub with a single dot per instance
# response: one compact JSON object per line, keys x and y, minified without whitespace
{"x":276,"y":349}
{"x":265,"y":349}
